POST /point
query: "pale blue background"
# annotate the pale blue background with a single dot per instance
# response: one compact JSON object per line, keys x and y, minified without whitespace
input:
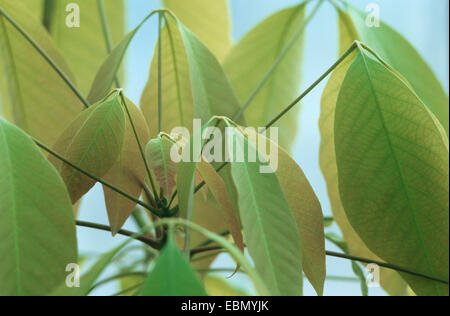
{"x":423,"y":22}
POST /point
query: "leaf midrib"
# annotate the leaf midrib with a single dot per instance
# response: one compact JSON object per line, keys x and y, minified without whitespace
{"x":400,"y":171}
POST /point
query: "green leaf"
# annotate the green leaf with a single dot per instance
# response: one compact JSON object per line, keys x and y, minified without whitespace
{"x":35,"y":7}
{"x":389,"y":279}
{"x":85,"y":47}
{"x":209,"y":20}
{"x":37,"y":225}
{"x":128,"y":172}
{"x":252,"y":58}
{"x":164,"y":168}
{"x":306,"y":210}
{"x":216,"y":286}
{"x":392,"y":159}
{"x":172,"y":275}
{"x":341,"y":244}
{"x":87,"y":280}
{"x":36,"y":98}
{"x":270,"y":231}
{"x":400,"y":54}
{"x":93,"y":142}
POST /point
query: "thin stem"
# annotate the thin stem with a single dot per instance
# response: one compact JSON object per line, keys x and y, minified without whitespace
{"x":141,"y":149}
{"x":277,"y":62}
{"x":116,"y":277}
{"x":106,"y":33}
{"x":144,"y":239}
{"x":310,"y":88}
{"x":288,"y":108}
{"x":47,"y":58}
{"x":128,"y":196}
{"x":128,"y":289}
{"x":328,"y":253}
{"x":160,"y":16}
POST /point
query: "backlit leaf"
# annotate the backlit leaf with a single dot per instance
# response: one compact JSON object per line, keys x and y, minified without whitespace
{"x":36,"y":98}
{"x":92,"y":142}
{"x":254,"y":55}
{"x":392,"y":159}
{"x":128,"y":173}
{"x":37,"y":226}
{"x":268,"y":223}
{"x":400,"y":54}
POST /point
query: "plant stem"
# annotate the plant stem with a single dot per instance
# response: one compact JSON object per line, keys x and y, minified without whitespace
{"x":116,"y":277}
{"x":141,"y":149}
{"x":277,"y":62}
{"x":47,"y":58}
{"x":106,"y":33}
{"x":144,"y":239}
{"x":128,"y":196}
{"x":160,"y":16}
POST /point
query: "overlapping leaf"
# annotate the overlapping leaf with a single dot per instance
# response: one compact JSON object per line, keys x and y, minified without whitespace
{"x":392,"y":159}
{"x":400,"y":54}
{"x":93,"y":142}
{"x":252,"y":58}
{"x":37,"y":226}
{"x":209,"y":20}
{"x":128,"y":173}
{"x":36,"y":98}
{"x":268,"y":223}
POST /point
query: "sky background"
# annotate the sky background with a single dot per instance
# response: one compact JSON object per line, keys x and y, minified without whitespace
{"x":423,"y":22}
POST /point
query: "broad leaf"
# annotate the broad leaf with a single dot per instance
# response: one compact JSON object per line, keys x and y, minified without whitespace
{"x":252,"y":58}
{"x":93,"y":142}
{"x":36,"y":98}
{"x":172,"y":275}
{"x":400,"y":54}
{"x":209,"y":20}
{"x":162,"y":165}
{"x":390,"y":280}
{"x":128,"y":173}
{"x":85,"y":47}
{"x":392,"y":159}
{"x":87,"y":280}
{"x":268,"y":223}
{"x":37,"y":225}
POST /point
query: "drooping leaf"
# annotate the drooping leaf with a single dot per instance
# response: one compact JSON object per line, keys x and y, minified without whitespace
{"x":87,"y":280}
{"x":162,"y":165}
{"x":251,"y":59}
{"x":217,"y":187}
{"x":389,"y":279}
{"x":306,"y":209}
{"x":85,"y":47}
{"x":37,"y":226}
{"x":268,"y":222}
{"x":128,"y":173}
{"x":130,"y":282}
{"x":400,"y":54}
{"x":93,"y":142}
{"x":172,"y":275}
{"x":392,"y":158}
{"x":176,"y":99}
{"x":209,"y":20}
{"x":36,"y":98}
